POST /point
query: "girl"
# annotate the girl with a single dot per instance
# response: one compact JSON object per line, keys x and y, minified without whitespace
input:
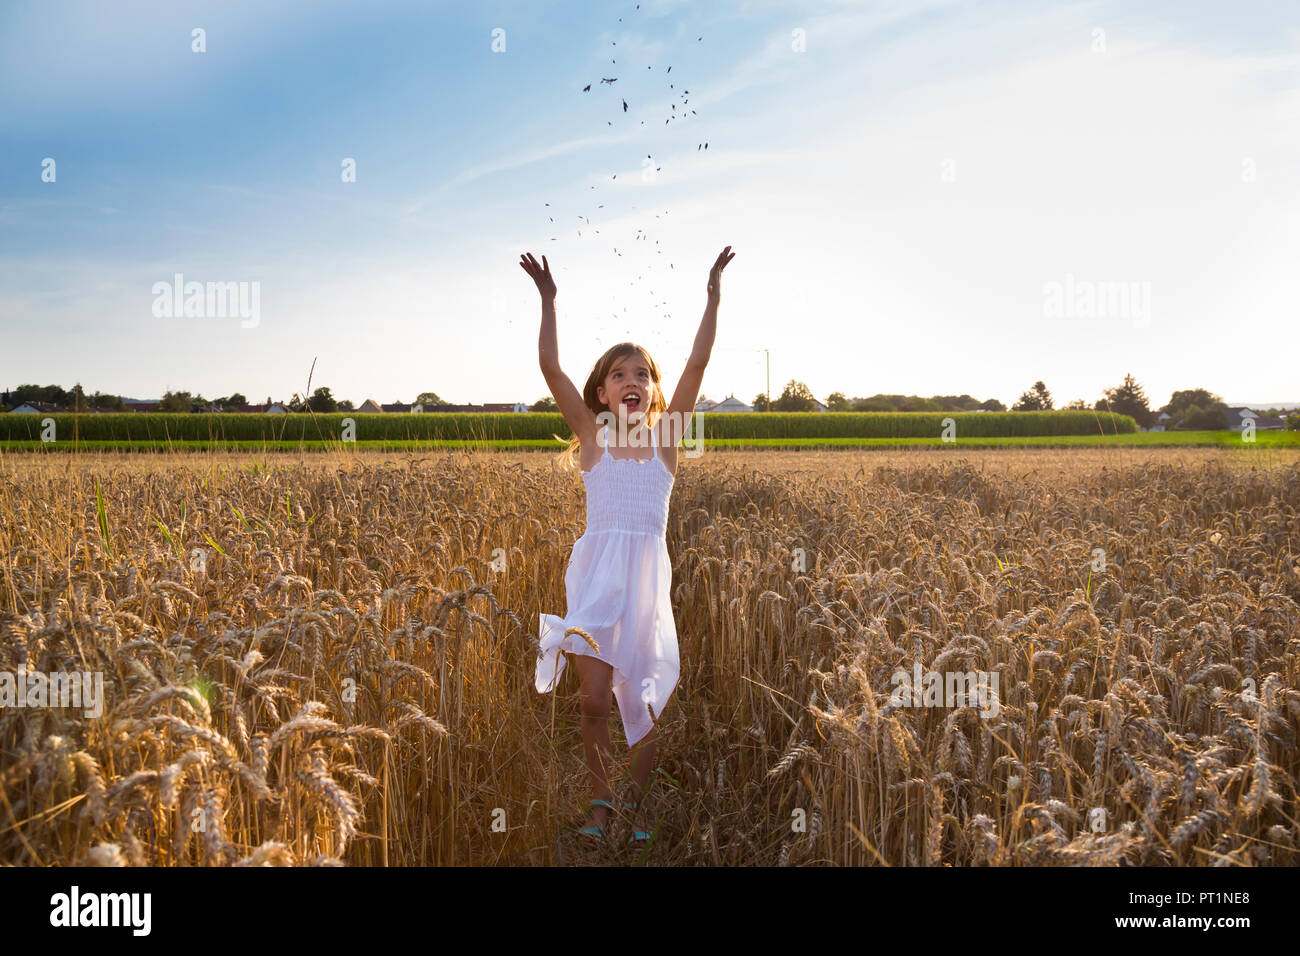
{"x":618,"y":576}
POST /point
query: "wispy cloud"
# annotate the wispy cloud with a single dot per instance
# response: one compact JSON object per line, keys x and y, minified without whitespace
{"x":517,"y":161}
{"x":859,"y":266}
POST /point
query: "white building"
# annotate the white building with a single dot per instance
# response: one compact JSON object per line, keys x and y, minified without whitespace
{"x":1164,"y":421}
{"x":1237,"y":418}
{"x":731,"y":404}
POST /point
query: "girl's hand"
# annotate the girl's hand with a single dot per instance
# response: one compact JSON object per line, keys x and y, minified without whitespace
{"x":715,"y":274}
{"x":541,"y":274}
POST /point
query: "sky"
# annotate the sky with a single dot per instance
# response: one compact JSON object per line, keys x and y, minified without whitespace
{"x":923,"y":197}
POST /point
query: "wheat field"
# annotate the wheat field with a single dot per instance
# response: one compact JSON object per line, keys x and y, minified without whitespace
{"x":328,"y":659}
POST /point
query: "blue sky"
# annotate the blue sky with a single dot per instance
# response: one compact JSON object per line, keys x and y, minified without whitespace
{"x":901,"y":183}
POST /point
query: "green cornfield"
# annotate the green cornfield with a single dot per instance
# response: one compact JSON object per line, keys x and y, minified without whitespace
{"x":544,"y":425}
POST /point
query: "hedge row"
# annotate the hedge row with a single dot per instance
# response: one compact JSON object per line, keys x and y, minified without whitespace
{"x":542,"y":425}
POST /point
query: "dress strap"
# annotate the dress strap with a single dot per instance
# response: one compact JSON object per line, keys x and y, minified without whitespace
{"x":604,"y":437}
{"x":654,"y":444}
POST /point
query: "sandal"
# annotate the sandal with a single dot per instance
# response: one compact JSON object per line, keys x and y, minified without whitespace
{"x":638,"y":836}
{"x":597,"y":831}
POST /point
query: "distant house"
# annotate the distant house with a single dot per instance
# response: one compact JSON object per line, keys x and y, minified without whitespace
{"x":488,"y":407}
{"x":1237,"y":418}
{"x":397,"y":407}
{"x":1164,"y":421}
{"x":732,"y":404}
{"x":369,"y":405}
{"x":140,"y":406}
{"x":46,"y":408}
{"x":729,"y":403}
{"x":274,"y":408}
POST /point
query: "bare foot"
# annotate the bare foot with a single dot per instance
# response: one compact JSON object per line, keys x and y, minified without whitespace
{"x":637,"y":818}
{"x":597,"y":817}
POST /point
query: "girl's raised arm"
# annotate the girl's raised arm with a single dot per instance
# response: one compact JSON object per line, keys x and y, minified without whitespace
{"x":580,"y":418}
{"x":682,"y":406}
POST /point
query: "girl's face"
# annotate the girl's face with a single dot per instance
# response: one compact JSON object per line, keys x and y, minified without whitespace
{"x":629,"y":385}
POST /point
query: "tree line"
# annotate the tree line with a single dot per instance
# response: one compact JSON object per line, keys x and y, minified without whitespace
{"x":1196,"y":408}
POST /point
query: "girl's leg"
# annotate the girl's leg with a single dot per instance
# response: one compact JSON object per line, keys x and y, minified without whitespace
{"x":643,"y":761}
{"x":595,"y":696}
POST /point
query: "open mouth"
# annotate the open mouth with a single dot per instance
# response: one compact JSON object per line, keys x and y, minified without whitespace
{"x":632,"y":402}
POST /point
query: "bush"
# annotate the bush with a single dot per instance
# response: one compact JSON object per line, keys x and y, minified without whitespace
{"x":1197,"y":418}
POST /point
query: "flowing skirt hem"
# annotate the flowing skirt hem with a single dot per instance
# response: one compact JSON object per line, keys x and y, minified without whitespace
{"x":635,"y":712}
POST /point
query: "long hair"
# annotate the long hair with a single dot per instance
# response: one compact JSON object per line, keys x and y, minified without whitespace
{"x":569,"y":457}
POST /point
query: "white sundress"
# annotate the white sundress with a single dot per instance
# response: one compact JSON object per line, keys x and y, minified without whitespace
{"x":618,"y":587}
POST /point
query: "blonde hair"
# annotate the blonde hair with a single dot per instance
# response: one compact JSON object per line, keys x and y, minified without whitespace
{"x":569,"y":457}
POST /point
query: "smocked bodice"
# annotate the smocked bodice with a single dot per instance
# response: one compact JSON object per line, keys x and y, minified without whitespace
{"x":630,"y":495}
